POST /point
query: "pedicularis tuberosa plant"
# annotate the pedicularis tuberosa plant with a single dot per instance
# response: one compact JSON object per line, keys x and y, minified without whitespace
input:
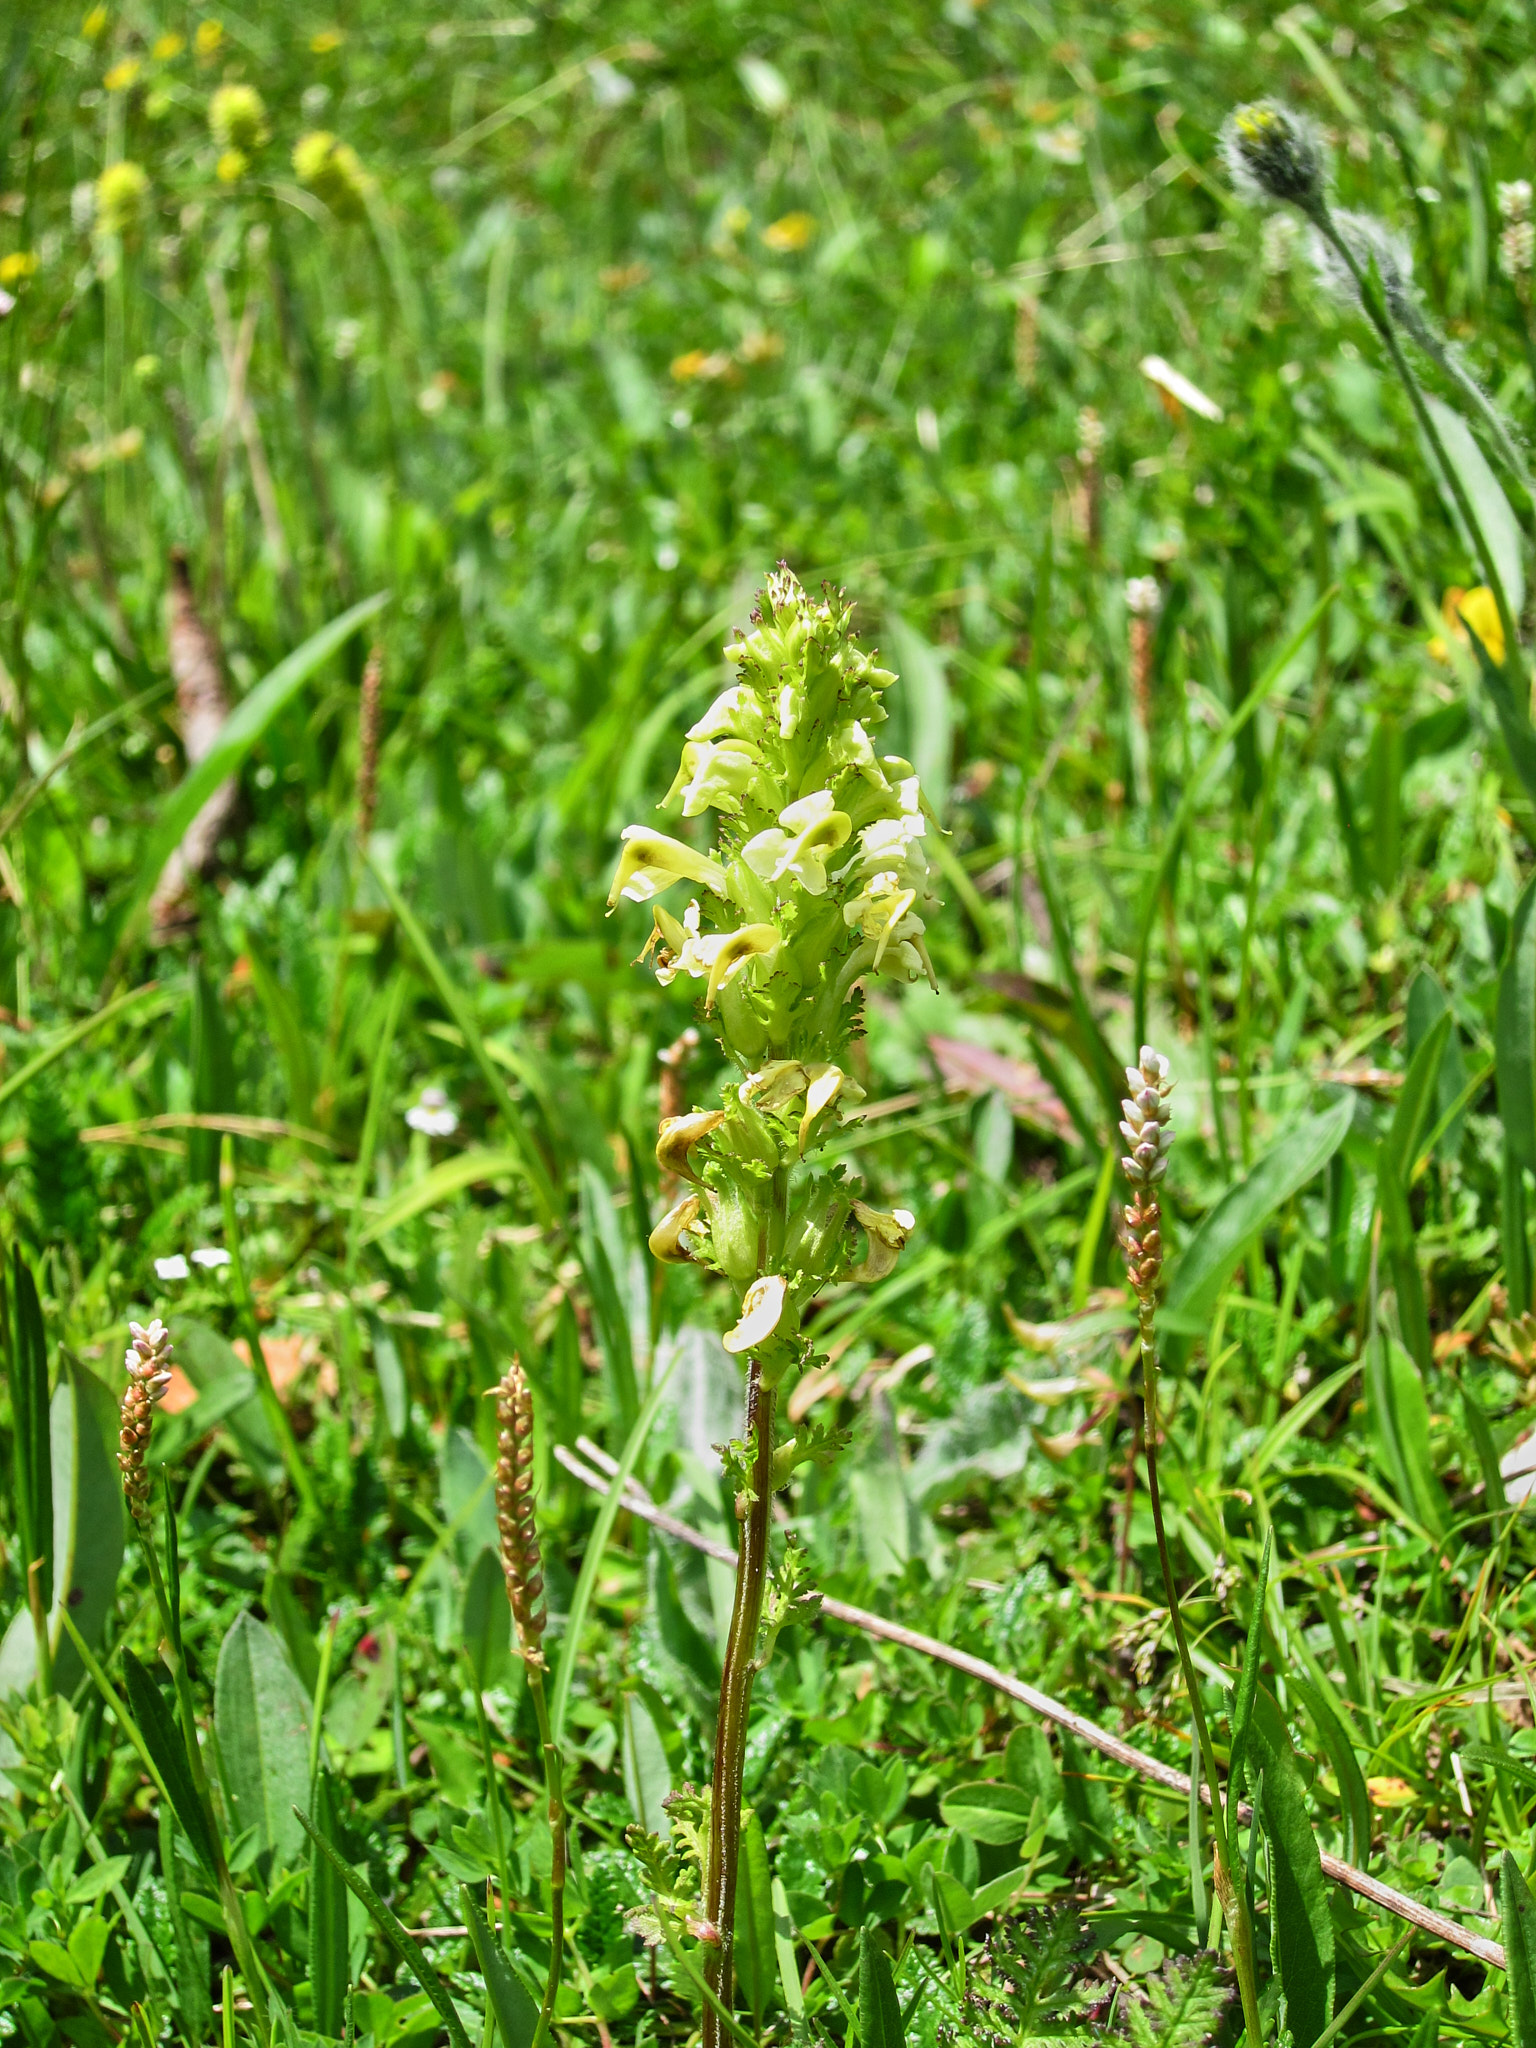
{"x":818,"y":880}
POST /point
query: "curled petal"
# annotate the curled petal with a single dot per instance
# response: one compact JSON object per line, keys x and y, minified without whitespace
{"x":775,"y":1086}
{"x":678,"y":1136}
{"x":826,"y":1083}
{"x":667,"y":1238}
{"x":652,"y":862}
{"x":761,"y":1307}
{"x":887,"y":1231}
{"x":733,"y":950}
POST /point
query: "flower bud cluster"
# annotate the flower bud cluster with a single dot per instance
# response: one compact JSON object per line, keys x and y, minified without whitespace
{"x":149,"y":1374}
{"x":522,"y":1561}
{"x":1274,"y":154}
{"x":818,"y":880}
{"x":1148,"y":1131}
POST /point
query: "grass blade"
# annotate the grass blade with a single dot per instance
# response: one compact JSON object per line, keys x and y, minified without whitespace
{"x":391,"y":1930}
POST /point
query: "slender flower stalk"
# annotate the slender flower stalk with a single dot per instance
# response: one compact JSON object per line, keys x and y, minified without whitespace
{"x":817,"y":881}
{"x":1148,"y":1130}
{"x":522,"y":1564}
{"x":1274,"y":155}
{"x":148,"y":1363}
{"x":369,"y":721}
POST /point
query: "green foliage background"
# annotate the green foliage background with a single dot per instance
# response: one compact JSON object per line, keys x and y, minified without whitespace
{"x":631,"y":303}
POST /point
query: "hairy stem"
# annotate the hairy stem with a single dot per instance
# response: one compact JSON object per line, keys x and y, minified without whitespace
{"x":1228,"y":1890}
{"x":736,"y":1675}
{"x":556,"y":1810}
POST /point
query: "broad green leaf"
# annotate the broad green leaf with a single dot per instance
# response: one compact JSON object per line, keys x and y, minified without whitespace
{"x":1417,"y":1097}
{"x":879,"y":2008}
{"x":1490,"y":508}
{"x":988,"y":1812}
{"x":485,"y":1620}
{"x":244,"y":729}
{"x":440,"y":1183}
{"x":1353,"y":1796}
{"x":1301,"y":1924}
{"x":360,"y":1697}
{"x":784,"y":1947}
{"x":1397,"y":1241}
{"x":32,"y":1473}
{"x":1426,"y":1005}
{"x":925,"y":702}
{"x":404,"y":1948}
{"x":1247,"y":1688}
{"x":1029,"y":1764}
{"x":517,"y":2017}
{"x":1085,"y":1800}
{"x":86,"y":1494}
{"x":261,"y":1717}
{"x":647,"y":1774}
{"x":162,"y":1738}
{"x":756,"y":1960}
{"x":1400,"y":1417}
{"x":1207,"y":1261}
{"x":597,"y":1542}
{"x":1518,"y":1913}
{"x":1514,"y":1033}
{"x":328,"y":1972}
{"x":468,"y":1495}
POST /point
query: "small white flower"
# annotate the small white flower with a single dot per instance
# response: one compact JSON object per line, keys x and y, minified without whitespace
{"x":173,"y":1268}
{"x":434,"y":1114}
{"x":1514,"y":199}
{"x":210,"y":1255}
{"x":1143,"y":594}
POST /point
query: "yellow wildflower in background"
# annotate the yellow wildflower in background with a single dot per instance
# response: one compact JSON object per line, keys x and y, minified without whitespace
{"x":122,"y":75}
{"x":165,"y":47}
{"x":792,"y":232}
{"x":1478,"y":609}
{"x":94,"y":26}
{"x":333,"y":171}
{"x":18,"y":266}
{"x":325,"y":40}
{"x":120,"y":193}
{"x":237,"y":119}
{"x":209,"y":35}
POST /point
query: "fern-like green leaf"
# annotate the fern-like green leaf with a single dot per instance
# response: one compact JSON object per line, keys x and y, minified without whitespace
{"x":1183,"y":2006}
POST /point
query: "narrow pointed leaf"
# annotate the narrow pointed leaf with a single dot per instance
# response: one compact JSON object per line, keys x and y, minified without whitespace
{"x":517,"y":2017}
{"x":162,"y":1738}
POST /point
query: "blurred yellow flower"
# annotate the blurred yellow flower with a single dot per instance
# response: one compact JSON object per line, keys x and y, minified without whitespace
{"x":333,"y":172}
{"x":18,"y":266}
{"x":697,"y":363}
{"x":165,"y":47}
{"x":759,"y":345}
{"x":209,"y":35}
{"x":94,"y":25}
{"x":1390,"y":1791}
{"x":120,"y":194}
{"x":325,"y":40}
{"x":237,"y":119}
{"x":1478,"y":609}
{"x":122,"y":75}
{"x":793,"y":231}
{"x":231,"y":166}
{"x":736,"y":220}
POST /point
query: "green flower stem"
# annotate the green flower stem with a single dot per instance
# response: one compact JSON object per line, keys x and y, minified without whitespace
{"x":736,"y":1675}
{"x":1381,"y":320}
{"x":555,"y":1789}
{"x":229,"y":1898}
{"x":40,"y":1630}
{"x":488,"y":1764}
{"x":1234,"y":1906}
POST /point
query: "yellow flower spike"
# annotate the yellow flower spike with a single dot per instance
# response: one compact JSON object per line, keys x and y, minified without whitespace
{"x":165,"y":47}
{"x":666,"y":1240}
{"x":122,"y":75}
{"x":887,"y":1231}
{"x":209,"y":35}
{"x":679,"y":1135}
{"x":762,"y":1308}
{"x":798,"y":846}
{"x":652,"y":862}
{"x":94,"y":26}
